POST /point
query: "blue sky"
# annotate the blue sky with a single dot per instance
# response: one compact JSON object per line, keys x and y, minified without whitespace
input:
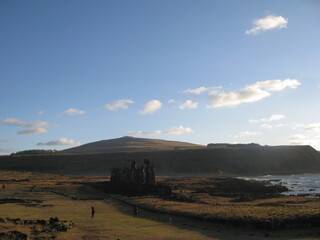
{"x":73,"y":72}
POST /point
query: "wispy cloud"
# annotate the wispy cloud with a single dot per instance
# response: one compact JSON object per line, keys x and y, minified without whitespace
{"x":188,"y":104}
{"x":41,"y":112}
{"x":313,"y":127}
{"x":275,"y":117}
{"x":267,"y":23}
{"x":13,"y":122}
{"x":197,"y":90}
{"x":171,"y":101}
{"x":29,"y":131}
{"x":37,"y":124}
{"x":119,"y":104}
{"x":30,"y":128}
{"x":151,"y":107}
{"x":250,"y":93}
{"x":302,"y":140}
{"x":5,"y":140}
{"x":246,"y":134}
{"x":61,"y":141}
{"x":73,"y":111}
{"x":269,"y":126}
{"x":173,"y":131}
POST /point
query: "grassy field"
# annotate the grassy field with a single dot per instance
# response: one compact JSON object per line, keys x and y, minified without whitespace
{"x":43,"y":196}
{"x":234,"y":201}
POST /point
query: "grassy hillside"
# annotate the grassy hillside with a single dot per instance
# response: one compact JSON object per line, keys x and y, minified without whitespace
{"x":240,"y":161}
{"x":130,"y":144}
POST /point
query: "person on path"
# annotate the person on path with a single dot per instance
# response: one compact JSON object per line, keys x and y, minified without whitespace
{"x":135,"y":211}
{"x":93,"y":211}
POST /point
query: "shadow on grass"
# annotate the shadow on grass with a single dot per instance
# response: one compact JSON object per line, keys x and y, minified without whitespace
{"x":212,"y":230}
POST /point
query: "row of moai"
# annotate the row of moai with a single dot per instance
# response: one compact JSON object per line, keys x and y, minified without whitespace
{"x":134,"y":174}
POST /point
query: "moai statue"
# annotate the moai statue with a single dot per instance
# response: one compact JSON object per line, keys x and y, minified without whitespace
{"x":140,"y":176}
{"x":152,"y":175}
{"x":126,"y":177}
{"x":133,"y":172}
{"x":146,"y":172}
{"x":115,"y":175}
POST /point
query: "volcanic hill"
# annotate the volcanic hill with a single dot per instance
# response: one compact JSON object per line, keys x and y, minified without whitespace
{"x":131,"y":144}
{"x":171,"y":158}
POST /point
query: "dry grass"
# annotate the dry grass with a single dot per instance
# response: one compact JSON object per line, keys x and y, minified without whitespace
{"x":197,"y":197}
{"x":114,"y":219}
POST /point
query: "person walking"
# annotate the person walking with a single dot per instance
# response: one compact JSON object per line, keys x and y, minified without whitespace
{"x":135,"y":211}
{"x":93,"y":211}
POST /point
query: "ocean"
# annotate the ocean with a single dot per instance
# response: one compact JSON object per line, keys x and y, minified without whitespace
{"x":304,"y":184}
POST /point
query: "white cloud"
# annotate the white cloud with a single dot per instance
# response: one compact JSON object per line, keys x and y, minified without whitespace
{"x":302,"y":140}
{"x":36,"y":125}
{"x":119,"y":104}
{"x":173,"y":131}
{"x":151,"y":107}
{"x":250,"y":93}
{"x":271,"y":126}
{"x":275,"y":85}
{"x":197,"y":90}
{"x":33,"y":131}
{"x":30,"y":128}
{"x":246,"y":134}
{"x":313,"y":127}
{"x":13,"y":122}
{"x":188,"y":104}
{"x":178,"y":130}
{"x":171,"y":101}
{"x":41,"y":112}
{"x":73,"y":111}
{"x":274,"y":117}
{"x":267,"y":23}
{"x":61,"y":141}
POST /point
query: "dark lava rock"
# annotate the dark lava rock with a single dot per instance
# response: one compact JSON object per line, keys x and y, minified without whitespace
{"x":13,"y":235}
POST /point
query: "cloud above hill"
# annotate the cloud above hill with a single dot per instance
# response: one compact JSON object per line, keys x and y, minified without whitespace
{"x":173,"y":131}
{"x":250,"y":93}
{"x":73,"y":111}
{"x":303,"y":140}
{"x":119,"y":104}
{"x":151,"y":107}
{"x":274,"y":117}
{"x":29,"y":128}
{"x":60,"y":141}
{"x":33,"y":131}
{"x":197,"y":90}
{"x":246,"y":134}
{"x":12,"y":122}
{"x":267,"y":23}
{"x":188,"y":104}
{"x":313,"y":127}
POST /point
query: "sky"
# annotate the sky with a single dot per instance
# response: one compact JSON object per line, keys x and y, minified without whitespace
{"x":74,"y":72}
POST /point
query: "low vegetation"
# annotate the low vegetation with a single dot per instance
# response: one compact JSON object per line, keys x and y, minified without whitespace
{"x":29,"y":201}
{"x":234,"y":201}
{"x":34,"y":151}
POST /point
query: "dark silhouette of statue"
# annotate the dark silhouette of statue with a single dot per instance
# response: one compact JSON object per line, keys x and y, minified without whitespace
{"x":143,"y":175}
